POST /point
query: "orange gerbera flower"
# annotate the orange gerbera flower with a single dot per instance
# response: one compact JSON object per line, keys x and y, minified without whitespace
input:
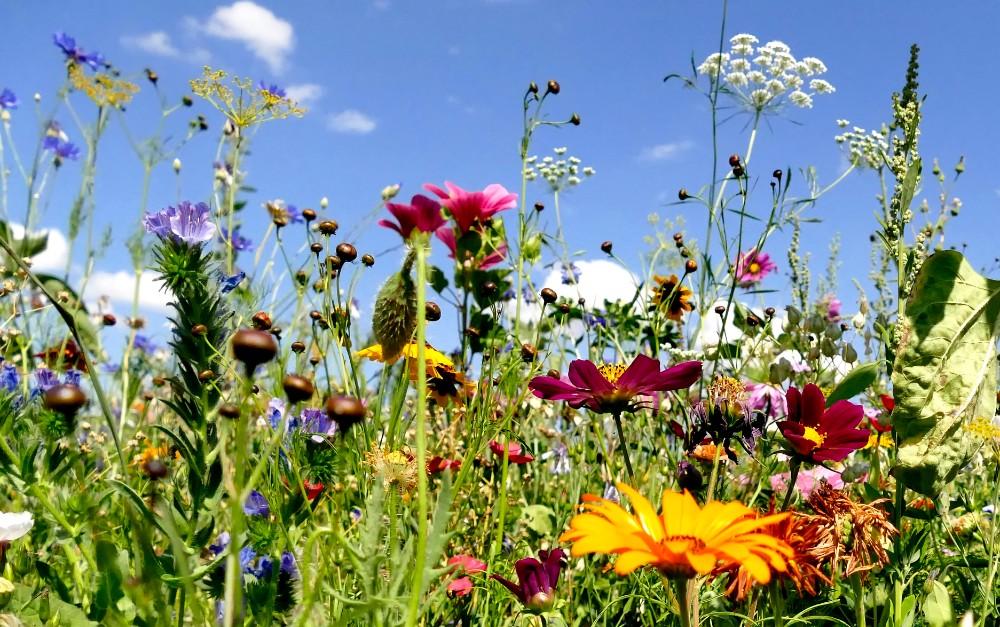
{"x":684,"y":540}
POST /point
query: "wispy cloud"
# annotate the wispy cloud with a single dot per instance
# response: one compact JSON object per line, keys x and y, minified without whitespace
{"x":662,"y":152}
{"x":56,"y":248}
{"x":304,"y":93}
{"x":351,"y":121}
{"x":118,"y":288}
{"x":156,"y":42}
{"x":264,"y":34}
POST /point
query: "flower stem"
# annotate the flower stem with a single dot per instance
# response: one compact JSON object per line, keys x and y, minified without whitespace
{"x":793,"y":474}
{"x":421,"y":420}
{"x":624,"y":444}
{"x":859,"y":600}
{"x":683,"y":601}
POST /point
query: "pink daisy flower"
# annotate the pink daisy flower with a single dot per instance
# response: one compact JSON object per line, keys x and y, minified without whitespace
{"x":422,"y":214}
{"x":752,"y":267}
{"x":467,"y":208}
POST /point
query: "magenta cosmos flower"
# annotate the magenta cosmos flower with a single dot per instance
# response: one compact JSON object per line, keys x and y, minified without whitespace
{"x":447,"y":236}
{"x":536,"y":579}
{"x":818,"y":434}
{"x":422,"y":214}
{"x":467,"y":208}
{"x":613,"y":388}
{"x":752,"y":267}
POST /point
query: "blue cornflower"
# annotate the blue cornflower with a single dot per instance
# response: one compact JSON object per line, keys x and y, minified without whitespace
{"x":570,"y":274}
{"x":144,"y":344}
{"x":356,"y":514}
{"x":63,"y":148}
{"x":44,"y":379}
{"x":75,"y":53}
{"x":294,"y":215}
{"x":275,"y":411}
{"x":593,"y":320}
{"x":10,"y":380}
{"x":287,"y":566}
{"x":256,"y":505}
{"x":221,"y":542}
{"x":7,"y":99}
{"x":187,"y":222}
{"x":110,"y":367}
{"x":272,"y":89}
{"x":72,"y":377}
{"x":313,"y":420}
{"x":229,"y":283}
{"x":237,"y":241}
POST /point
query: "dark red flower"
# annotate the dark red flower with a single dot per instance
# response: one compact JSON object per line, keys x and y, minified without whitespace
{"x":437,"y":464}
{"x":612,"y":388}
{"x":514,"y":454}
{"x":536,"y":579}
{"x":65,"y":356}
{"x":888,"y":403}
{"x":313,"y":489}
{"x":422,"y":214}
{"x":818,"y":434}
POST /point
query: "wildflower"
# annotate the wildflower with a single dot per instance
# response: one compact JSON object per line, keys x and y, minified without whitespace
{"x":766,"y":398}
{"x":466,"y":565}
{"x":240,"y":102}
{"x":514,"y":454}
{"x":612,"y":388}
{"x":422,"y":214}
{"x":879,"y":440}
{"x":256,"y":505}
{"x":8,"y":100}
{"x":570,"y":274}
{"x":143,"y":344}
{"x":187,"y":222}
{"x":469,"y":208}
{"x":10,"y":380}
{"x":447,"y":384}
{"x":726,"y":415}
{"x":149,"y":454}
{"x":670,"y":296}
{"x":102,"y":88}
{"x":271,"y":89}
{"x":818,"y":434}
{"x":485,"y":262}
{"x":14,"y":525}
{"x":685,"y":539}
{"x":65,"y":355}
{"x":888,"y":404}
{"x":807,"y":480}
{"x":752,"y":267}
{"x":74,"y":53}
{"x":437,"y":464}
{"x":832,"y":305}
{"x":315,"y":421}
{"x":435,"y":359}
{"x":395,"y":468}
{"x":229,"y":283}
{"x":860,"y":529}
{"x":234,"y":239}
{"x":536,"y":579}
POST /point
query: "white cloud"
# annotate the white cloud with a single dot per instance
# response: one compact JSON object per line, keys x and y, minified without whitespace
{"x":156,"y":42}
{"x":304,"y":93}
{"x":56,"y":252}
{"x":662,"y":152}
{"x":351,"y":121}
{"x":118,"y":287}
{"x":266,"y":35}
{"x":381,"y":5}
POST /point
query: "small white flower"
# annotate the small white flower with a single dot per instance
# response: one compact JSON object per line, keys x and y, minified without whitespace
{"x":324,"y":202}
{"x":743,"y":39}
{"x":714,"y":64}
{"x":560,"y":151}
{"x":742,"y":50}
{"x":793,"y":81}
{"x":775,"y":86}
{"x":13,"y":525}
{"x":737,"y":79}
{"x":573,"y":180}
{"x":756,"y":76}
{"x":739,"y":65}
{"x":547,"y":159}
{"x":531,"y":159}
{"x":589,"y":171}
{"x":177,"y":165}
{"x":817,"y":66}
{"x":821,"y":86}
{"x":759,"y":97}
{"x":801,"y":99}
{"x":778,"y":47}
{"x":574,"y":160}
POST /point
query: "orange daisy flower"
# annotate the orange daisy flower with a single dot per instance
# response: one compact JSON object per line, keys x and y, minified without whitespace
{"x":684,"y":540}
{"x":672,"y":297}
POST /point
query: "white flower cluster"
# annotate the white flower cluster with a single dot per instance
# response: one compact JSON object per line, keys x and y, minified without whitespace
{"x":762,"y":76}
{"x":559,"y":172}
{"x":866,"y":149}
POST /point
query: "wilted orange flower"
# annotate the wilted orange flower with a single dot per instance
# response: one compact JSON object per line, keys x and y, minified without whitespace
{"x":860,"y":529}
{"x":684,"y":540}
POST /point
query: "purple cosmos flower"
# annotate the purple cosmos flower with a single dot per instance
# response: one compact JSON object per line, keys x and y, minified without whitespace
{"x":833,"y":305}
{"x":229,"y":283}
{"x":7,"y":99}
{"x":536,"y":579}
{"x":144,"y":344}
{"x":75,"y":53}
{"x":187,"y":222}
{"x":256,"y":505}
{"x":766,"y":398}
{"x":272,"y":89}
{"x":472,"y":208}
{"x":237,"y":241}
{"x":752,"y":266}
{"x":612,"y":388}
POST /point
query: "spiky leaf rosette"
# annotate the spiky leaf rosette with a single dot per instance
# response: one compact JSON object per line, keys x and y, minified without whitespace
{"x":395,"y":316}
{"x":188,"y":272}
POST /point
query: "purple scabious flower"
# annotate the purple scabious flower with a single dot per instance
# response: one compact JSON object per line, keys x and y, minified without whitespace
{"x":256,"y":505}
{"x":237,"y":241}
{"x":8,"y":100}
{"x":272,"y":89}
{"x":144,"y":344}
{"x":187,"y":222}
{"x":536,"y":579}
{"x":75,"y":53}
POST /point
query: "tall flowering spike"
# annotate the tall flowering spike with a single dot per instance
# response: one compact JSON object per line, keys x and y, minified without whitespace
{"x":187,"y":223}
{"x":613,"y":388}
{"x":683,"y":540}
{"x":536,"y":579}
{"x":468,"y":208}
{"x":752,"y":266}
{"x":422,"y":214}
{"x":817,"y":434}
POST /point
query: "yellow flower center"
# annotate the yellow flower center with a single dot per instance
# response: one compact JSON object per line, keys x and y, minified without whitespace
{"x":814,"y":436}
{"x":612,"y":372}
{"x":754,"y":268}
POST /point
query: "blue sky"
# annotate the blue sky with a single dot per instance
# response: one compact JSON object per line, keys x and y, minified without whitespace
{"x":413,"y":92}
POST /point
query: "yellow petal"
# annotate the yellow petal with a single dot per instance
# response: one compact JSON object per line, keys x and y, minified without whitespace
{"x":644,"y":511}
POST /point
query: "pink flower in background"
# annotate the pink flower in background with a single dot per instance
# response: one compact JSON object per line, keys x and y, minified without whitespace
{"x":832,"y":307}
{"x":766,"y":397}
{"x":808,"y":480}
{"x":467,"y":208}
{"x":752,"y":267}
{"x":447,"y":236}
{"x":422,"y":214}
{"x":467,"y":565}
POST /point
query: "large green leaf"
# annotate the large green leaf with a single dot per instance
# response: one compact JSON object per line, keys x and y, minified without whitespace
{"x":945,"y":370}
{"x":857,"y":381}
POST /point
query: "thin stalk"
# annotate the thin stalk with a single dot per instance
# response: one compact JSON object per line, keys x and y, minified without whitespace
{"x":624,"y":444}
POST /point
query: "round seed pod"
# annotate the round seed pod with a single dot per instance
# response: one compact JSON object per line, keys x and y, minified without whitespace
{"x":254,"y":347}
{"x":228,"y":410}
{"x":328,"y":227}
{"x":368,"y":260}
{"x":607,"y":246}
{"x":65,"y":399}
{"x":347,"y":252}
{"x":552,"y":88}
{"x":346,"y":411}
{"x":548,"y":295}
{"x":432,"y":311}
{"x":297,"y":388}
{"x":155,"y":469}
{"x":261,"y":320}
{"x":298,"y":347}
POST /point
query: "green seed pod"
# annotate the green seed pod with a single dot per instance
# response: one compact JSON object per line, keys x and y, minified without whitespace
{"x":395,"y":316}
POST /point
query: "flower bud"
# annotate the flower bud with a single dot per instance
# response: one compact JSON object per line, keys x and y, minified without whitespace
{"x":346,"y":411}
{"x":690,"y":266}
{"x":688,"y":477}
{"x":253,"y":347}
{"x":432,"y":311}
{"x":328,"y":227}
{"x":297,"y":388}
{"x":65,"y":399}
{"x":109,"y":320}
{"x":395,"y":313}
{"x":298,"y":347}
{"x":230,"y":411}
{"x":261,"y":320}
{"x":367,"y":260}
{"x":177,"y":165}
{"x":199,"y":330}
{"x":324,"y":202}
{"x":682,"y":194}
{"x":185,"y":100}
{"x":606,"y":246}
{"x":720,"y":309}
{"x":389,"y":192}
{"x":858,"y":321}
{"x":347,"y":252}
{"x":528,"y":353}
{"x":539,"y":207}
{"x":533,"y":87}
{"x":769,"y":312}
{"x":734,"y":160}
{"x":316,"y":247}
{"x":308,"y":215}
{"x":776,"y":174}
{"x":552,"y":88}
{"x":155,"y":469}
{"x":548,"y":295}
{"x":574,"y":119}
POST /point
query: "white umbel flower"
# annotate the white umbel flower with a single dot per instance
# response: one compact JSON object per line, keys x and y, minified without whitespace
{"x":801,"y":99}
{"x":13,"y":525}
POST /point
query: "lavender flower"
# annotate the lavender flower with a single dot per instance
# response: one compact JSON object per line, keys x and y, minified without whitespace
{"x":272,"y":89}
{"x":8,"y":100}
{"x":144,"y":344}
{"x":74,"y":53}
{"x":187,"y":222}
{"x":256,"y":505}
{"x":237,"y":241}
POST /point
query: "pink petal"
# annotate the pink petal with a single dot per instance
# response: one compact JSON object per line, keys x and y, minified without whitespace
{"x":584,"y":374}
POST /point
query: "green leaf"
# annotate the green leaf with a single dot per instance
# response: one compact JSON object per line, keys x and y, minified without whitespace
{"x":436,"y":278}
{"x":857,"y":381}
{"x":937,"y":606}
{"x":539,"y":519}
{"x":945,"y":370}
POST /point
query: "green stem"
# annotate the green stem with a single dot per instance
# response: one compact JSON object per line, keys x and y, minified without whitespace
{"x":859,"y":600}
{"x":624,"y":445}
{"x":793,"y":474}
{"x":234,"y":573}
{"x":683,"y":601}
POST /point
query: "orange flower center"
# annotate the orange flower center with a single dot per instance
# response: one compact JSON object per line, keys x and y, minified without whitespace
{"x":754,"y":268}
{"x":612,"y":372}
{"x":814,"y":436}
